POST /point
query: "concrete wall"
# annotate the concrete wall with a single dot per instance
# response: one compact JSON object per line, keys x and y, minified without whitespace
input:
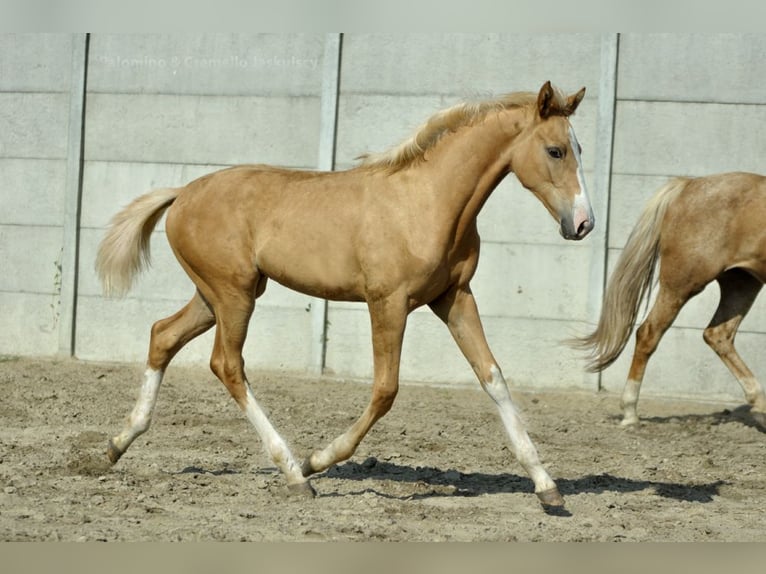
{"x":34,"y":119}
{"x":160,"y":110}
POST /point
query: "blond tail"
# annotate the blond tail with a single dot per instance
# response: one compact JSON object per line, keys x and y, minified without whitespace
{"x":630,"y":283}
{"x":124,"y":251}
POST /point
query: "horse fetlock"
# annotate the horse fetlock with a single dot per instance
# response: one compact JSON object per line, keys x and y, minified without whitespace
{"x":318,"y":461}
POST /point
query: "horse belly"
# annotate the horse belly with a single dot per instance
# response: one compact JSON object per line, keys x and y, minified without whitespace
{"x":321,"y":269}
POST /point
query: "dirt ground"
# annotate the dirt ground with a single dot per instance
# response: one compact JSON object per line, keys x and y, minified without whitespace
{"x":436,"y":468}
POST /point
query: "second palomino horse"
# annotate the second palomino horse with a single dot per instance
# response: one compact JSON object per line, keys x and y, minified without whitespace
{"x":699,"y":230}
{"x":396,"y":232}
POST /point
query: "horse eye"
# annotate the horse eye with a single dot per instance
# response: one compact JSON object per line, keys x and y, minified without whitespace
{"x":555,"y":152}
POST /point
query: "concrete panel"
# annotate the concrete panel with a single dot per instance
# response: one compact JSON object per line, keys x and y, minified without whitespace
{"x":165,"y":280}
{"x":468,"y":64}
{"x":684,"y":365}
{"x":349,"y":348}
{"x":658,"y":138}
{"x":108,"y":186}
{"x":530,"y":352}
{"x":31,"y":259}
{"x":219,"y":64}
{"x":30,"y":324}
{"x":35,"y":62}
{"x":118,"y":330}
{"x":34,"y":125}
{"x":692,"y":67}
{"x":628,"y":198}
{"x":203,"y":130}
{"x":532,"y":281}
{"x":32,"y":192}
{"x":374,"y":123}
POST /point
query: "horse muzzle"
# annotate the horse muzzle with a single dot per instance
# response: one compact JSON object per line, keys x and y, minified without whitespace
{"x":578,"y":224}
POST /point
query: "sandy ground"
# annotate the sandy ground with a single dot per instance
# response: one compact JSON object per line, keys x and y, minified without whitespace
{"x":436,"y":468}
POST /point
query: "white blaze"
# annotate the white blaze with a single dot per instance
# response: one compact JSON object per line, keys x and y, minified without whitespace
{"x":581,"y":209}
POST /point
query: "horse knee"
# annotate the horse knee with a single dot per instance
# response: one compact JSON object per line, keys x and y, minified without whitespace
{"x":719,"y":339}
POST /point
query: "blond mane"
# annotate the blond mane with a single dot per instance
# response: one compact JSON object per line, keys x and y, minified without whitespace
{"x":444,"y":122}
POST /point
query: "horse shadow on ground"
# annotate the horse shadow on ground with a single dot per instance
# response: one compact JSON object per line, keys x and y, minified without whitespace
{"x":742,"y":415}
{"x":437,"y":482}
{"x":455,"y":483}
{"x":434,"y":482}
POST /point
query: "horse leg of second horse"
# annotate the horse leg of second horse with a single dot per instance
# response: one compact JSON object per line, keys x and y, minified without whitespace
{"x":738,"y":292}
{"x":648,"y":336}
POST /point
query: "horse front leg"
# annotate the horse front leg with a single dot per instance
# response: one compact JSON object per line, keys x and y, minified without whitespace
{"x":457,"y":308}
{"x":388,"y":318}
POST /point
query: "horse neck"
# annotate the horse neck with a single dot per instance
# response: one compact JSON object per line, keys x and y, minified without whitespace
{"x":469,"y":164}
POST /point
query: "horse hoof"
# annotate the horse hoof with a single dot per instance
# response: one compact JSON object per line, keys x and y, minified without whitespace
{"x":306,"y":468}
{"x":551,"y":498}
{"x":301,"y":489}
{"x":629,"y":422}
{"x":113,"y":452}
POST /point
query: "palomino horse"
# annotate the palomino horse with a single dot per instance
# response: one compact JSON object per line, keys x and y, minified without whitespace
{"x":700,"y":230}
{"x":396,"y":232}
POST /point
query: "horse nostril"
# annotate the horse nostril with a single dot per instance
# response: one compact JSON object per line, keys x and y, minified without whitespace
{"x":584,"y":228}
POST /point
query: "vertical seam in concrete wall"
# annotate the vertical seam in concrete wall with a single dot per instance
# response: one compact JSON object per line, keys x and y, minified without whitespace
{"x":602,"y":176}
{"x":328,"y":123}
{"x":73,"y":196}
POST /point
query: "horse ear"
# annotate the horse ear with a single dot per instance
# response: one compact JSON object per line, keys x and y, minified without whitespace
{"x":545,"y":100}
{"x":574,"y":100}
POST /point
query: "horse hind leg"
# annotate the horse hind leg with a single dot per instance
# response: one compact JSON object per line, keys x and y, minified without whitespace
{"x":666,"y":307}
{"x":738,"y":292}
{"x":168,"y":336}
{"x":233,"y":315}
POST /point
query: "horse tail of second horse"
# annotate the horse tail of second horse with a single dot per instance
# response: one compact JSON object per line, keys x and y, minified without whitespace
{"x":631,"y":281}
{"x":124,"y":251}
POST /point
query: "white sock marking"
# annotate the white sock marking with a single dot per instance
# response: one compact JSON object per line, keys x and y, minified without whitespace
{"x":581,"y":208}
{"x":275,"y":445}
{"x":524,"y":449}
